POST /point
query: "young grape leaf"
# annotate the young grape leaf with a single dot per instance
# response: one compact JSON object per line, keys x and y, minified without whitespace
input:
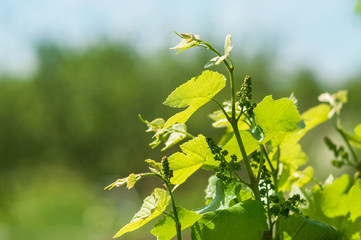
{"x":189,"y":40}
{"x":334,"y":197}
{"x":298,"y":178}
{"x":165,"y":228}
{"x":194,"y":156}
{"x":277,"y":117}
{"x":301,"y":228}
{"x":130,"y":181}
{"x":249,"y":142}
{"x":194,"y":94}
{"x":153,"y":206}
{"x":312,"y":117}
{"x":177,"y":134}
{"x":219,"y":195}
{"x":355,"y":139}
{"x":246,"y":220}
{"x":353,"y":202}
{"x":170,"y":136}
{"x":336,"y":204}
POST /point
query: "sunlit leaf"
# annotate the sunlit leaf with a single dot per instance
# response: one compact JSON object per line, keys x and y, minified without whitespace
{"x":246,"y":220}
{"x":189,"y":40}
{"x":298,"y":178}
{"x":249,"y":142}
{"x":130,"y":181}
{"x":194,"y":94}
{"x":334,"y":197}
{"x":277,"y":117}
{"x":165,"y":228}
{"x":227,"y":44}
{"x":152,"y":207}
{"x":355,"y":139}
{"x":194,"y":156}
{"x":219,"y":195}
{"x":301,"y":228}
{"x":353,"y":202}
{"x":177,"y":134}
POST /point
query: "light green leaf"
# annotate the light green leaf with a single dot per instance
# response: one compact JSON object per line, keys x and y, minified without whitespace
{"x":246,"y":220}
{"x":177,"y":134}
{"x":334,"y":197}
{"x":189,"y":40}
{"x":153,"y":206}
{"x":165,"y":228}
{"x":155,"y":167}
{"x":194,"y":156}
{"x":354,"y":200}
{"x":277,"y":117}
{"x":194,"y":94}
{"x":249,"y":142}
{"x":227,"y":44}
{"x":298,"y":178}
{"x":355,"y":139}
{"x":130,"y":181}
{"x":218,"y":195}
{"x":312,"y":117}
{"x":301,"y":228}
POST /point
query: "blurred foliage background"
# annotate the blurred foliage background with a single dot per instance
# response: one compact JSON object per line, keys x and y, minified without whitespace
{"x":72,"y":128}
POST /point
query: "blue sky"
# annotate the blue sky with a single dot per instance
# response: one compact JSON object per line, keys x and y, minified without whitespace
{"x":322,"y":35}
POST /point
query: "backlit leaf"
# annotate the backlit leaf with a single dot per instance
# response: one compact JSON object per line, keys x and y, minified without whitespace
{"x":165,"y":228}
{"x":277,"y":117}
{"x":194,"y":156}
{"x":219,"y":195}
{"x":301,"y":228}
{"x":246,"y":220}
{"x":194,"y":94}
{"x":354,"y":200}
{"x":153,"y":206}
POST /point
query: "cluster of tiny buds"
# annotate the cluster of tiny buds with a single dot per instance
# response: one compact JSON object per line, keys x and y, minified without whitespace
{"x":340,"y":154}
{"x":166,"y":171}
{"x":245,"y":96}
{"x":277,"y":208}
{"x":284,"y":208}
{"x":225,"y":170}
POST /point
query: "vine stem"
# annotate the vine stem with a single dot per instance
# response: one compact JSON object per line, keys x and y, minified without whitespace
{"x":340,"y":130}
{"x":175,"y":217}
{"x":252,"y":178}
{"x":233,"y":121}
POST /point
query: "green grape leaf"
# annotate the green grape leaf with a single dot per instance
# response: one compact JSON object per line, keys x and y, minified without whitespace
{"x":153,"y":206}
{"x":298,"y":178}
{"x":227,"y":44}
{"x":170,"y":136}
{"x":355,"y":139}
{"x":194,"y":156}
{"x":301,"y":228}
{"x":334,"y":204}
{"x":312,"y":117}
{"x":177,"y":134}
{"x":334,"y":198}
{"x":218,"y":195}
{"x":155,"y":167}
{"x":353,"y":202}
{"x":249,"y":142}
{"x":130,"y":181}
{"x":246,"y":220}
{"x":277,"y":118}
{"x":194,"y":94}
{"x":189,"y":40}
{"x":165,"y":228}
